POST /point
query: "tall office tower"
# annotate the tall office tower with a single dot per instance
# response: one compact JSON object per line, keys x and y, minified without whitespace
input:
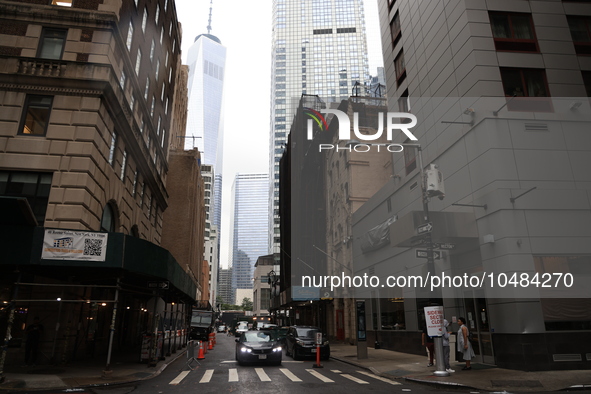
{"x":249,"y":226}
{"x":207,"y":60}
{"x":225,"y":286}
{"x":319,"y":47}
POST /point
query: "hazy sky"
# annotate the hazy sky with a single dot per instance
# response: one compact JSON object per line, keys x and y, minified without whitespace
{"x":244,"y":27}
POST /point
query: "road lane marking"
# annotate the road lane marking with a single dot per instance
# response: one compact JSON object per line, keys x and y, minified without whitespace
{"x":378,"y":377}
{"x":320,"y":376}
{"x":233,"y":375}
{"x":179,"y":378}
{"x":207,"y":376}
{"x":262,"y":375}
{"x":227,"y":362}
{"x":353,"y":378}
{"x":335,"y":371}
{"x":293,"y":362}
{"x":290,"y":375}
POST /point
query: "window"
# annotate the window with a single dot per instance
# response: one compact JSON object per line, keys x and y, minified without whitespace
{"x":129,"y":35}
{"x":112,"y":148}
{"x":152,"y":47}
{"x":108,"y":219}
{"x":400,"y":67}
{"x":123,"y":166}
{"x":526,"y":82}
{"x":513,"y":32}
{"x":395,"y":29}
{"x":145,"y":21}
{"x":410,"y":158}
{"x":36,"y":115}
{"x":157,"y":13}
{"x":134,"y":186}
{"x":52,"y":43}
{"x":391,"y":3}
{"x":32,"y":185}
{"x":587,"y":82}
{"x":122,"y":80}
{"x":138,"y":61}
{"x":403,"y":103}
{"x":147,"y":89}
{"x":580,"y":30}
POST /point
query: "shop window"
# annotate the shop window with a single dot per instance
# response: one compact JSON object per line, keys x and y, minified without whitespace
{"x":400,"y":67}
{"x":513,"y":32}
{"x":519,"y":83}
{"x":580,"y":30}
{"x":62,"y":3}
{"x":36,"y":115}
{"x":34,"y":186}
{"x":52,"y":43}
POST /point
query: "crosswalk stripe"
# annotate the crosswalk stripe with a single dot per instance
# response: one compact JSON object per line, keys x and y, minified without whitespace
{"x":233,"y":375}
{"x":379,"y":378}
{"x":353,"y":378}
{"x":179,"y":378}
{"x":262,"y":375}
{"x":290,"y":375}
{"x":335,"y":371}
{"x":207,"y":376}
{"x":320,"y":376}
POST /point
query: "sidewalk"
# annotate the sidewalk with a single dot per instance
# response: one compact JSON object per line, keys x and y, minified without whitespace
{"x":86,"y":373}
{"x":411,"y":367}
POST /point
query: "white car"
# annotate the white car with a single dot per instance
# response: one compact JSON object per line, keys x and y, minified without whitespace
{"x":222,"y":328}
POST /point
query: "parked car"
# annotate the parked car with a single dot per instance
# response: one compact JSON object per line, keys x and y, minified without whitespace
{"x":222,"y":328}
{"x":258,"y":346}
{"x":241,"y":327}
{"x":266,"y":326}
{"x":301,"y":342}
{"x":281,"y":333}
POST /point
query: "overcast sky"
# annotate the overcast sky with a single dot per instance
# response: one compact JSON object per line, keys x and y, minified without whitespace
{"x":244,"y":27}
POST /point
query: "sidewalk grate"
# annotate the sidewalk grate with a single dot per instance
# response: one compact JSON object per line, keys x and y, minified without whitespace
{"x":516,"y":383}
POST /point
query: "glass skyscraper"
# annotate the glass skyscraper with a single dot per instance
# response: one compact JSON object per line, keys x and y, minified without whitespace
{"x":249,"y":225}
{"x":207,"y":61}
{"x":319,"y":48}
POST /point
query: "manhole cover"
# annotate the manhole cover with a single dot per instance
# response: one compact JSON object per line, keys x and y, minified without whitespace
{"x":516,"y":383}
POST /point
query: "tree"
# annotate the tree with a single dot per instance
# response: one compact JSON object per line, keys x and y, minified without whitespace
{"x":246,"y":304}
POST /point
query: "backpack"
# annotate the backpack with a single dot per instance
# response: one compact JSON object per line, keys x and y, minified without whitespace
{"x":470,"y":336}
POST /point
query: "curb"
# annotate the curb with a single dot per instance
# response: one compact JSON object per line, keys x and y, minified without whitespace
{"x":152,"y":375}
{"x":371,"y":369}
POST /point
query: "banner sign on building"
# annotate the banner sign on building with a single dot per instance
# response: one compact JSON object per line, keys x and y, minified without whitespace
{"x":74,"y":245}
{"x":434,"y":320}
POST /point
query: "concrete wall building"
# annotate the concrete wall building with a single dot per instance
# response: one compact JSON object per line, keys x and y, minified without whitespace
{"x":499,"y":90}
{"x":261,"y":296}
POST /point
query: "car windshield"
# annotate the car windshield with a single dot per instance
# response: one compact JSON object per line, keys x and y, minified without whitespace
{"x":258,"y":336}
{"x":309,"y":332}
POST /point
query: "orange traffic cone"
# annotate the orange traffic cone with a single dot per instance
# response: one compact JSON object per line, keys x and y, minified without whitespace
{"x":201,"y":355}
{"x":210,"y":345}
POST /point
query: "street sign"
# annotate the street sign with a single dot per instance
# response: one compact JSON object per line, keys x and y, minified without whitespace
{"x":159,"y":285}
{"x":424,"y":254}
{"x":446,"y":246}
{"x":425,"y":228}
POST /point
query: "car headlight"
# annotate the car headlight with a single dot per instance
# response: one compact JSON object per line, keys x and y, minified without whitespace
{"x":246,"y":350}
{"x":277,"y":349}
{"x":299,"y":342}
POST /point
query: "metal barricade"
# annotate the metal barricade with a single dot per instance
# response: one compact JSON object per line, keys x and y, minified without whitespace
{"x":192,"y":345}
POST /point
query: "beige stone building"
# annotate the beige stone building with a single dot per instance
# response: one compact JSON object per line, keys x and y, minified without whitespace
{"x":91,"y":99}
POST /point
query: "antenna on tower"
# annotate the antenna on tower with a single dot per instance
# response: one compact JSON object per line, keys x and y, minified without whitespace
{"x":209,"y":21}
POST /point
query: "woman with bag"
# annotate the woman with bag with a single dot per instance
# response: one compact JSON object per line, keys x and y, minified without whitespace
{"x":464,"y":346}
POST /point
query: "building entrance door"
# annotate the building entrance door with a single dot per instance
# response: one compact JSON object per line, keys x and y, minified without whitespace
{"x":479,"y":324}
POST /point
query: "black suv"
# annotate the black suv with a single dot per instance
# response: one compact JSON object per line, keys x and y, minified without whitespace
{"x":300,"y":342}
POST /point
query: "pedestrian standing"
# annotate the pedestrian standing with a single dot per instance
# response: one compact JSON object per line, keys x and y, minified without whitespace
{"x":446,"y":346}
{"x":34,"y":332}
{"x":429,"y":344}
{"x":464,"y":344}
